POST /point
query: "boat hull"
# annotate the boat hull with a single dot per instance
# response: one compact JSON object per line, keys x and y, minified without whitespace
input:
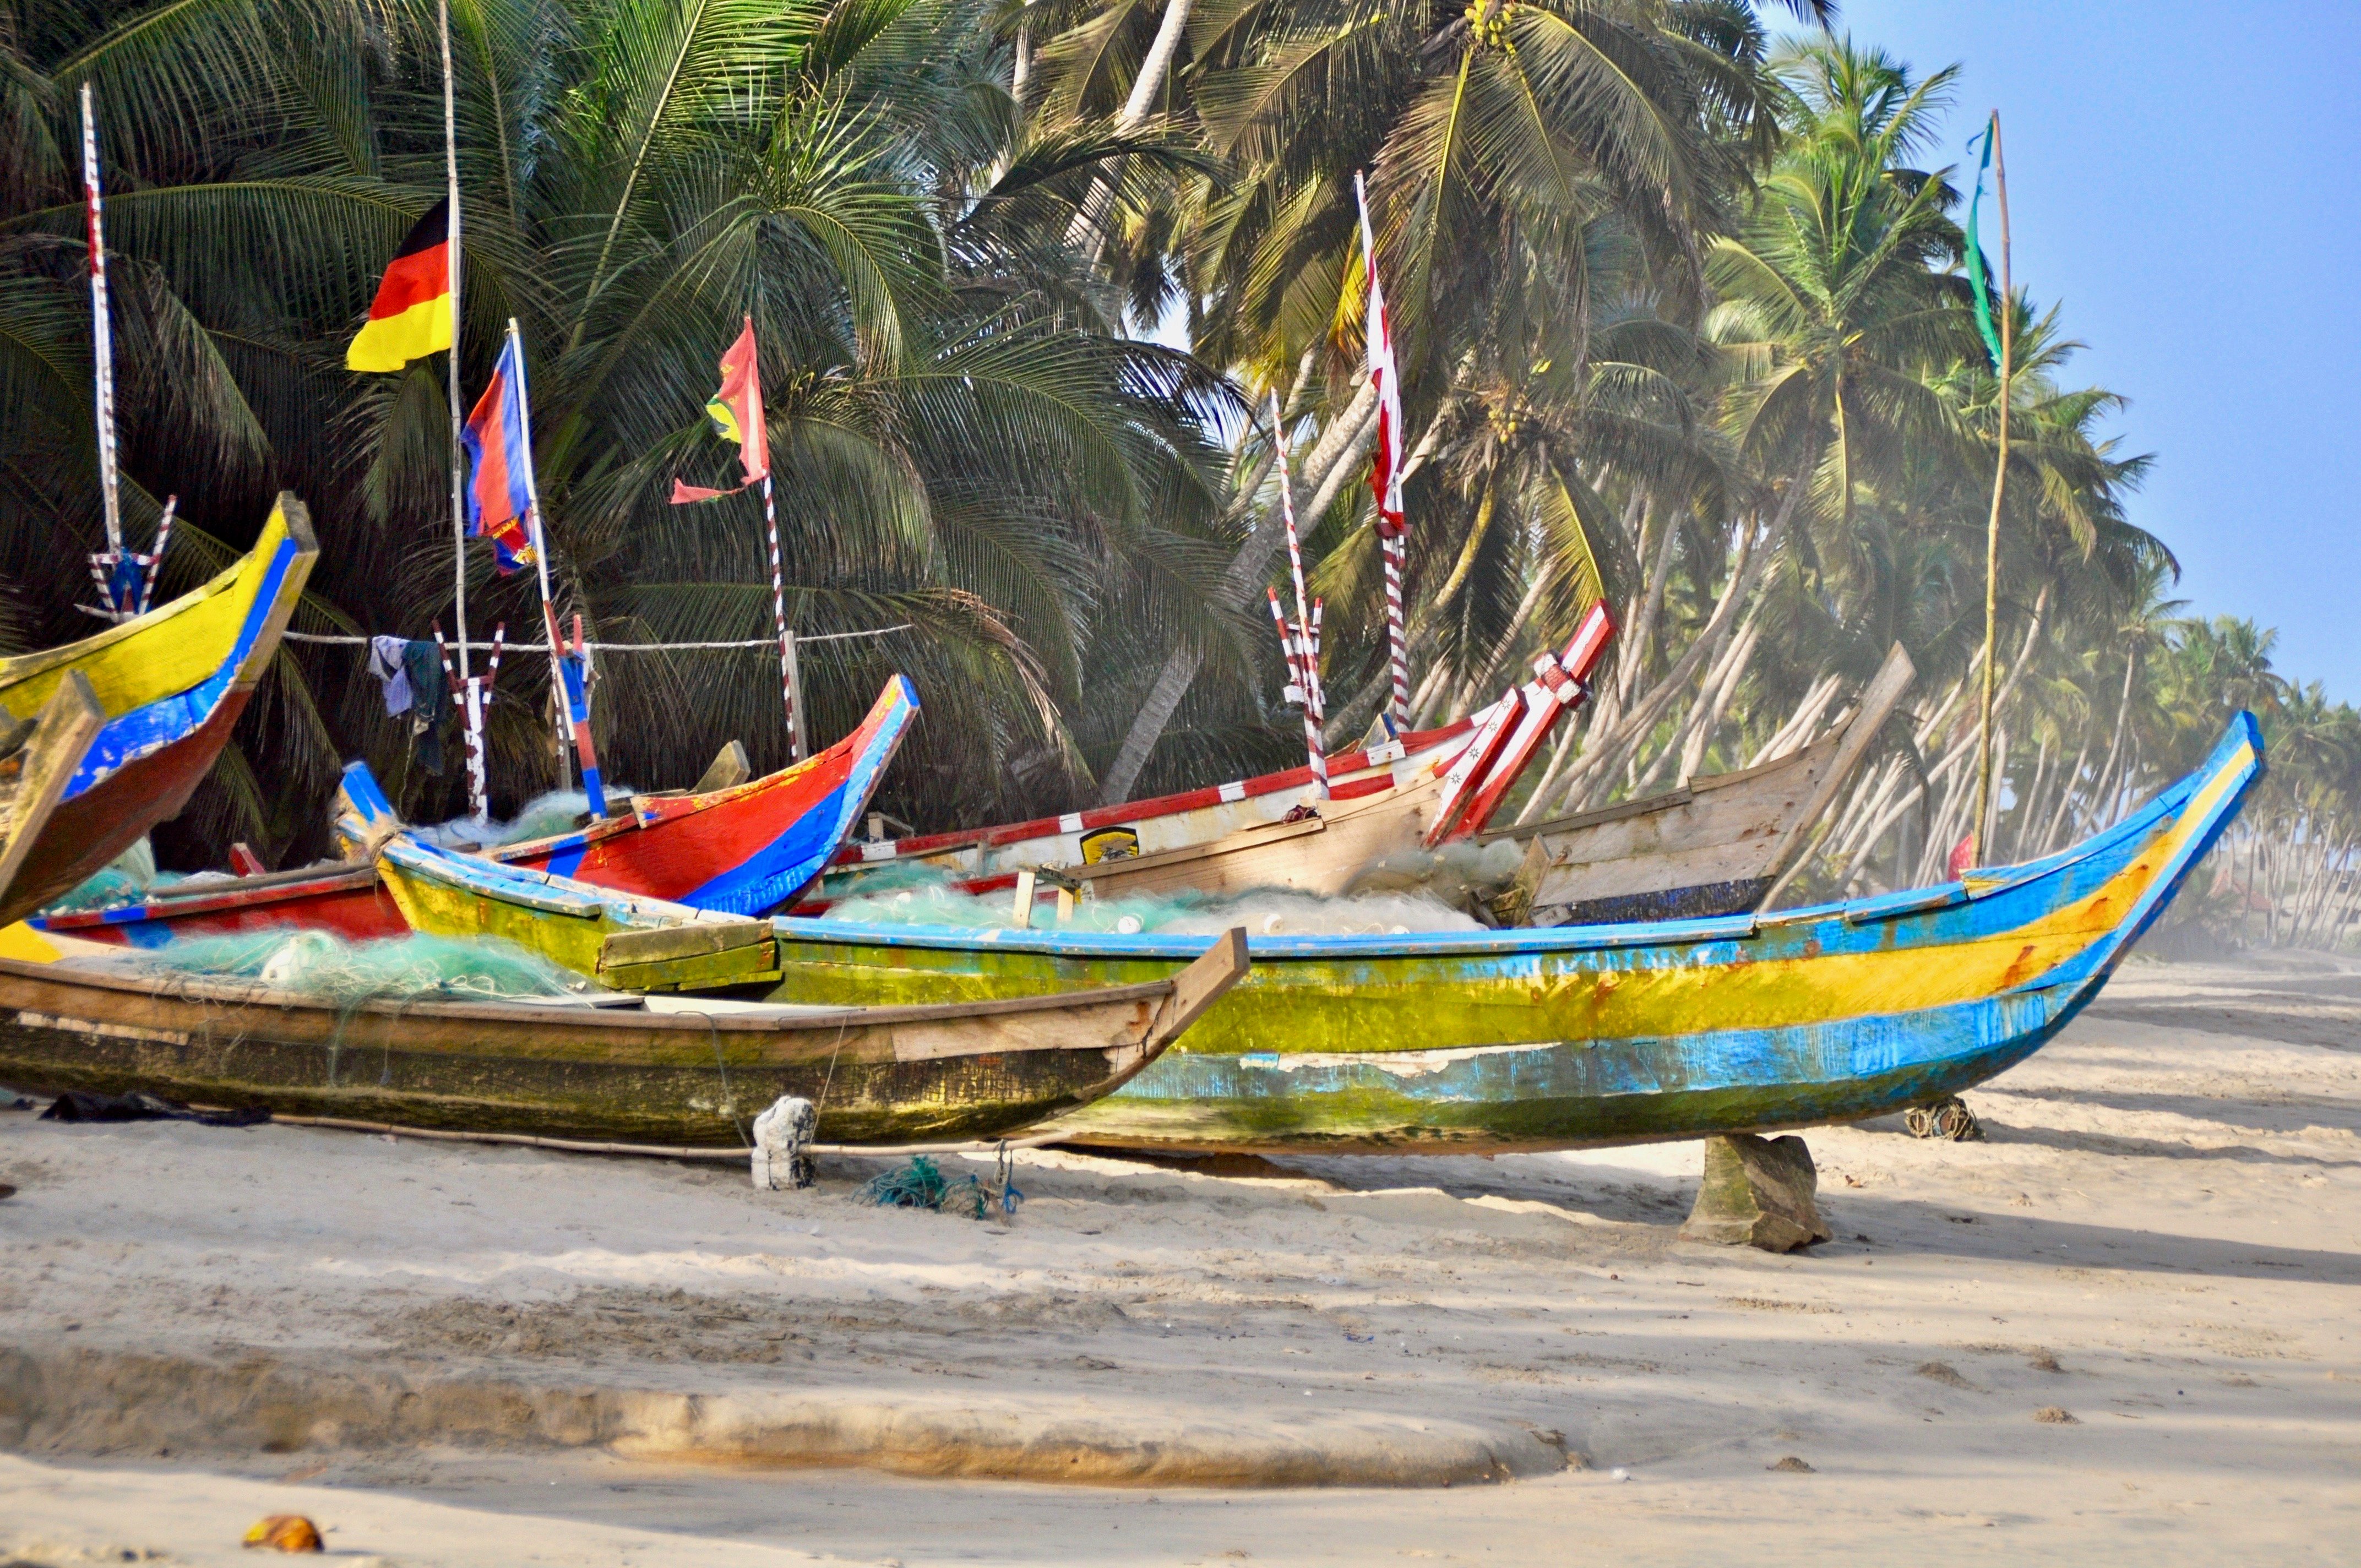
{"x":742,"y":849}
{"x":1566,"y":1036}
{"x":692,"y":1078}
{"x":171,"y":685}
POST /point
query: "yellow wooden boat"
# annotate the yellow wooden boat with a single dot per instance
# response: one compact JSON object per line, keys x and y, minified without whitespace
{"x":169,"y":685}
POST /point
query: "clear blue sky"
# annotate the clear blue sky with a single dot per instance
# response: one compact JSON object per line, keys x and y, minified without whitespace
{"x":2185,"y":179}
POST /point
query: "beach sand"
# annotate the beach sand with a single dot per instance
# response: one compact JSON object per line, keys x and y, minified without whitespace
{"x":459,"y":1354}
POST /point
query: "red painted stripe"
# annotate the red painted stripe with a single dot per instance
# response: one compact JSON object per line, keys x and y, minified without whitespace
{"x":922,"y":844}
{"x":413,"y":281}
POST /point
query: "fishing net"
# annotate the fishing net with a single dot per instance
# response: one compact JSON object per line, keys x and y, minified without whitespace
{"x":413,"y":968}
{"x":544,"y":816}
{"x":921,"y":1184}
{"x":933,"y":901}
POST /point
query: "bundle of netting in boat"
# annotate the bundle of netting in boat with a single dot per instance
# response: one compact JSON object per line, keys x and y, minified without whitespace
{"x":918,"y":897}
{"x":544,"y":816}
{"x":401,"y":969}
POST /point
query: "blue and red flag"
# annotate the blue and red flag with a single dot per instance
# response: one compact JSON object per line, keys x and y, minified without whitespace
{"x":499,"y":463}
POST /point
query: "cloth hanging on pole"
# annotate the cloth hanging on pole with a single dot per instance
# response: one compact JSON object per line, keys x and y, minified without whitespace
{"x":499,"y":463}
{"x":421,"y":660}
{"x":385,"y":664}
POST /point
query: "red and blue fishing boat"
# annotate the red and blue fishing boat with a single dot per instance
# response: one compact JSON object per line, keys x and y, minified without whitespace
{"x":740,"y":851}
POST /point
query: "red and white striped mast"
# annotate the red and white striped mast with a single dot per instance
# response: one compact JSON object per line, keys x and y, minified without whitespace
{"x":1299,"y":640}
{"x":1385,"y":459}
{"x":102,"y":328}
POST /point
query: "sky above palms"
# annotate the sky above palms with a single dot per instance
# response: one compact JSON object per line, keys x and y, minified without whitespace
{"x":2185,"y":179}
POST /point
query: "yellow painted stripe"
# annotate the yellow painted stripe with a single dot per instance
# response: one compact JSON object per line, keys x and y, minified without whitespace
{"x":168,"y":650}
{"x":393,"y":342}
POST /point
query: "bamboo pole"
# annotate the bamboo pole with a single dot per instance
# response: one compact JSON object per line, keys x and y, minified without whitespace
{"x":1992,"y":528}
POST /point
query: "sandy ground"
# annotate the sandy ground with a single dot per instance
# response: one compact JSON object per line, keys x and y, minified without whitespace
{"x":2161,"y":1237}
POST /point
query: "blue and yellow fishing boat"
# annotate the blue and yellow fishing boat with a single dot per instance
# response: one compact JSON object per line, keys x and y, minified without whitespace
{"x":1574,"y":1036}
{"x":167,"y":686}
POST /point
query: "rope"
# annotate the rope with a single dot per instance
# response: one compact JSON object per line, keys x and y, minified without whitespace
{"x":340,"y":642}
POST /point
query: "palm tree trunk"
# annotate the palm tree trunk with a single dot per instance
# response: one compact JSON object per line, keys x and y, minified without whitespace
{"x":1339,"y":448}
{"x":1154,"y":68}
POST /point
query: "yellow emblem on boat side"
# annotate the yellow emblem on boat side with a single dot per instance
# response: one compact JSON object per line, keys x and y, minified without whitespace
{"x":1110,"y":844}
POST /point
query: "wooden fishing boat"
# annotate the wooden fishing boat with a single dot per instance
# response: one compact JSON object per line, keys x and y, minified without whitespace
{"x":39,"y":758}
{"x":744,"y":850}
{"x":1716,"y":845}
{"x":679,"y":1071}
{"x":170,"y":684}
{"x":1270,"y":831}
{"x":1543,"y":1038}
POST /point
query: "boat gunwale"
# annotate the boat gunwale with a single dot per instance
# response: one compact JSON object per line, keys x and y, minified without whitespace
{"x":1543,"y":941}
{"x":789,"y":1018}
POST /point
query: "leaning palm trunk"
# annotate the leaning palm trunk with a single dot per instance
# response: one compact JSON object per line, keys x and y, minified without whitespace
{"x":1340,"y":447}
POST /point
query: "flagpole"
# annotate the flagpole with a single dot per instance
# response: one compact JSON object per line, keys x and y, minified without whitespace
{"x":458,"y":418}
{"x":566,"y":734}
{"x":779,"y":611}
{"x":102,"y":328}
{"x":1391,"y":543}
{"x":1991,"y":527}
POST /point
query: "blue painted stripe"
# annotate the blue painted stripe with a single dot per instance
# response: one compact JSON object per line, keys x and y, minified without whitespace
{"x":146,"y":730}
{"x":786,"y":865}
{"x":2046,"y":887}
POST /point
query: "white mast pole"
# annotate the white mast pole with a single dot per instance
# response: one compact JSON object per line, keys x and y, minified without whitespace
{"x":458,"y":418}
{"x":102,"y":329}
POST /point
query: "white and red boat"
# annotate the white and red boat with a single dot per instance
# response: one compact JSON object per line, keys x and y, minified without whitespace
{"x":1272,"y":832}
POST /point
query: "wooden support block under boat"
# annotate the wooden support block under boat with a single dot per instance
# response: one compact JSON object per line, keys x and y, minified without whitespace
{"x":663,"y":1070}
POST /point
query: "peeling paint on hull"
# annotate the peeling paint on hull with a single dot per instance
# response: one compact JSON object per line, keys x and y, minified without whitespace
{"x":1639,"y":1032}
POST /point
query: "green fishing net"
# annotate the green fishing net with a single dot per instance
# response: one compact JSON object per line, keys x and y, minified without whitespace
{"x":921,"y":1184}
{"x":932,"y":900}
{"x":411,"y":968}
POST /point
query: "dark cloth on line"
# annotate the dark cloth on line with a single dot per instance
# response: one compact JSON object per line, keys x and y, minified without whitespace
{"x":430,"y":696}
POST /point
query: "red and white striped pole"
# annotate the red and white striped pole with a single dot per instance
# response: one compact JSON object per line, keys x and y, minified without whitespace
{"x":1397,"y":629}
{"x":102,"y":327}
{"x":156,"y":553}
{"x":1309,"y":671}
{"x":779,"y":619}
{"x":1298,"y":691}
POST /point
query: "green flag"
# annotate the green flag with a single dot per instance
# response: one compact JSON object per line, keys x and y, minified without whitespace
{"x":1979,"y":277}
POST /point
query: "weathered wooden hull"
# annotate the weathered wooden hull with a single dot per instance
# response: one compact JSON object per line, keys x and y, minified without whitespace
{"x":1539,"y":1038}
{"x":1271,"y":831}
{"x":42,"y":758}
{"x":1716,"y":845}
{"x":743,"y":850}
{"x":1198,"y":838}
{"x":170,"y":684}
{"x":574,"y":1070}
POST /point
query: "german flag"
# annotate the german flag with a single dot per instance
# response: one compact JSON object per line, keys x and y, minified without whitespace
{"x":412,"y":317}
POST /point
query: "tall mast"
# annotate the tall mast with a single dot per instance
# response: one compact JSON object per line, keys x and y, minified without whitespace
{"x":1982,"y":829}
{"x":102,"y":328}
{"x":458,"y":418}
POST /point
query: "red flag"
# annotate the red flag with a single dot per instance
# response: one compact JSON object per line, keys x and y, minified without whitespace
{"x":1963,"y":857}
{"x":737,"y":413}
{"x":1385,"y":459}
